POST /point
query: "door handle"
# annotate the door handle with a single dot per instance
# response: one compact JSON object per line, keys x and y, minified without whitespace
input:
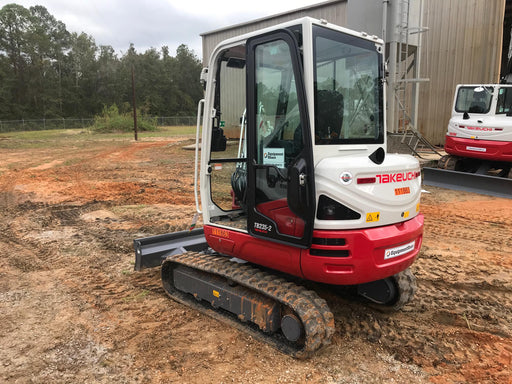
{"x":302,"y":179}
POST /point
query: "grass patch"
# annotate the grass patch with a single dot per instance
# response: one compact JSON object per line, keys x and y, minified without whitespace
{"x":119,"y":210}
{"x":138,"y":296}
{"x":73,"y":161}
{"x":82,"y":137}
{"x":111,"y":121}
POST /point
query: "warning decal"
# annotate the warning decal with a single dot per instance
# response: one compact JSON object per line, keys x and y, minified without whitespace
{"x":372,"y":217}
{"x":402,"y":191}
{"x":220,"y":232}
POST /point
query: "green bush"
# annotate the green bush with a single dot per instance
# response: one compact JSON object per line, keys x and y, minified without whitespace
{"x":112,"y":121}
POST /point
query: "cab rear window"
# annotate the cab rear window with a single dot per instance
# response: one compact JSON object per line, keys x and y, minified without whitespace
{"x":474,"y":99}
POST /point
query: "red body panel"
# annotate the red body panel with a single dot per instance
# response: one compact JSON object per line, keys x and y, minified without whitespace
{"x":287,"y":222}
{"x":494,"y":150}
{"x":365,"y":260}
{"x":363,"y":251}
{"x":282,"y":257}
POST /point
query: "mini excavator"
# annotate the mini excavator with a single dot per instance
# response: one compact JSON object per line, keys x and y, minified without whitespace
{"x":479,"y":135}
{"x":295,"y":187}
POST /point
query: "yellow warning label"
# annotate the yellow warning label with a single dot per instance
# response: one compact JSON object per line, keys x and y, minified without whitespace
{"x":216,"y":293}
{"x":372,"y":217}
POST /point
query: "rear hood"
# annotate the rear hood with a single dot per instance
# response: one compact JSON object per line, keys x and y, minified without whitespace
{"x":382,"y":194}
{"x":483,"y":127}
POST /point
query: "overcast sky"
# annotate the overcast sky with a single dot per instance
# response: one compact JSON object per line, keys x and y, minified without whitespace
{"x":155,"y":23}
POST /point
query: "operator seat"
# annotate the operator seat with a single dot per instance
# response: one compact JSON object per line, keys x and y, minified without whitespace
{"x":239,"y":185}
{"x":329,"y":115}
{"x":478,"y":105}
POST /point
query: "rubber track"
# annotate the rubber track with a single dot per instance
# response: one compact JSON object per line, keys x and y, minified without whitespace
{"x":313,"y":311}
{"x":406,"y":282}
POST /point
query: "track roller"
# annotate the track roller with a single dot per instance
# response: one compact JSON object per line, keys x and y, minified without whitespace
{"x":292,"y":327}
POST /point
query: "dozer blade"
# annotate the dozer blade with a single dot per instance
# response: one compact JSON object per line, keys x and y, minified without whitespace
{"x":152,"y":251}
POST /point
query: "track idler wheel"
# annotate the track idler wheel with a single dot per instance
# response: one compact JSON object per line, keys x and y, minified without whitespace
{"x":392,"y":293}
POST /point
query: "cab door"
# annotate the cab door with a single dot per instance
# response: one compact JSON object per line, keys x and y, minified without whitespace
{"x":280,"y":194}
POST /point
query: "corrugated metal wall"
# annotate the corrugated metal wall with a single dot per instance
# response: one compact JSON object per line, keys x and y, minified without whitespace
{"x":332,"y":11}
{"x":462,"y":45}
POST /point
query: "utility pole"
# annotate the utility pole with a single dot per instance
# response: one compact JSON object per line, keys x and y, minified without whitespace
{"x":134,"y":106}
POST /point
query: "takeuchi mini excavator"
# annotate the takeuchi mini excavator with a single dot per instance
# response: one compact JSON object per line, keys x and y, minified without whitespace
{"x":295,"y":187}
{"x":479,"y":136}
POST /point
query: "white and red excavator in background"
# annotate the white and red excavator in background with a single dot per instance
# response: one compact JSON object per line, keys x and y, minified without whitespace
{"x":479,"y":136}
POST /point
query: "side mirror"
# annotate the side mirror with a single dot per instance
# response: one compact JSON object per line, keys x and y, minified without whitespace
{"x":203,"y":78}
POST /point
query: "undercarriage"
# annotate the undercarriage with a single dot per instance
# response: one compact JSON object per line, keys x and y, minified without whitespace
{"x":268,"y":305}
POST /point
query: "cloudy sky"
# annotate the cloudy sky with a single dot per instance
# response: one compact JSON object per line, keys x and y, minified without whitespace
{"x":155,"y":23}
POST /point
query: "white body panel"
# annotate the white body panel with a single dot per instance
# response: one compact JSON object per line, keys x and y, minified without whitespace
{"x":390,"y":199}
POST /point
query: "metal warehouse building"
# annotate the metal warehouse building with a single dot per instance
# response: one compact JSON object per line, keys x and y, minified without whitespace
{"x":431,"y":46}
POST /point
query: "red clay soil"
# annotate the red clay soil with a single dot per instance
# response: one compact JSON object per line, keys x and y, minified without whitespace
{"x":73,"y":310}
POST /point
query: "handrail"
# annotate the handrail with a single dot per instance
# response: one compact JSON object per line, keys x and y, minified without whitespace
{"x":201,"y":102}
{"x":241,"y":149}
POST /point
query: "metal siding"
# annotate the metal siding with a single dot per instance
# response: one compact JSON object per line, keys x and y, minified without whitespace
{"x":332,"y":12}
{"x":462,"y":45}
{"x":232,"y":101}
{"x":359,"y":19}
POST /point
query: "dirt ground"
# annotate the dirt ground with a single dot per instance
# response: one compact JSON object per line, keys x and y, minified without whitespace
{"x":73,"y":310}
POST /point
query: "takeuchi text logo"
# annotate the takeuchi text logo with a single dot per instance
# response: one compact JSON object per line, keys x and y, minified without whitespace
{"x":397,"y":177}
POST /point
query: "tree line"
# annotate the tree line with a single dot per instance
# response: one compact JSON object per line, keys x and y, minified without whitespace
{"x":48,"y":72}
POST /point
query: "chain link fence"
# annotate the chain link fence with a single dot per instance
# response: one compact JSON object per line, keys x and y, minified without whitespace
{"x":74,"y":123}
{"x":43,"y":124}
{"x":176,"y":121}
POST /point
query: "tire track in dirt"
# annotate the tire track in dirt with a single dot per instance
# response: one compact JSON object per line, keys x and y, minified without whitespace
{"x":438,"y":332}
{"x":68,"y":255}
